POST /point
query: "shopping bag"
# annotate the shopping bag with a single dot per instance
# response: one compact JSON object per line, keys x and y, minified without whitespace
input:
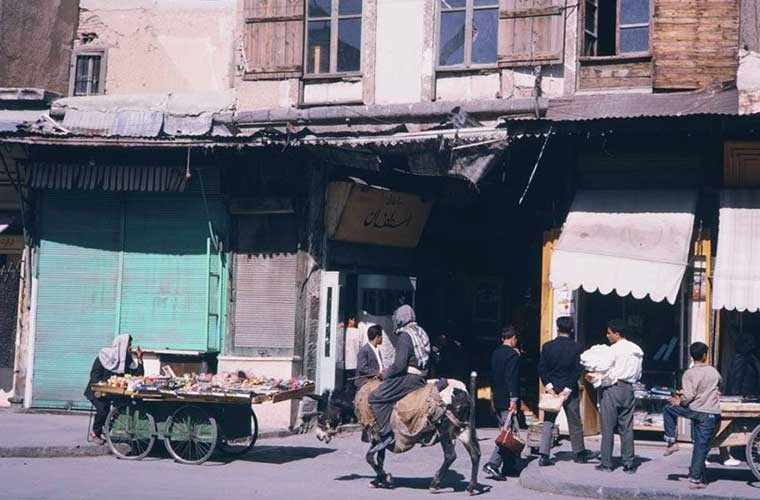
{"x":550,"y":402}
{"x":509,"y":441}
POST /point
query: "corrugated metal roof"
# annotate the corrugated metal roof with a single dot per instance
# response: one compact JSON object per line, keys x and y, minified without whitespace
{"x":634,"y":105}
{"x":11,"y":119}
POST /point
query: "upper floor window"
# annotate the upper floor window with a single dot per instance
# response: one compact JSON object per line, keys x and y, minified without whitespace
{"x":468,"y":33}
{"x":333,"y":36}
{"x":88,"y":75}
{"x":616,"y":27}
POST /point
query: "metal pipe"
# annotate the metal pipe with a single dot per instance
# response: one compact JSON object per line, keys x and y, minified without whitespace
{"x":474,"y":398}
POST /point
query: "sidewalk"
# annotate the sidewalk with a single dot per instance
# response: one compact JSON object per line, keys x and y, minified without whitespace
{"x":36,"y":435}
{"x":657,"y":476}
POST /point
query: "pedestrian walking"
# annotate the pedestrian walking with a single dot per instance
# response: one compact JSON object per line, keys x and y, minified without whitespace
{"x":617,"y":398}
{"x":699,"y":401}
{"x":560,"y":369}
{"x":505,"y":396}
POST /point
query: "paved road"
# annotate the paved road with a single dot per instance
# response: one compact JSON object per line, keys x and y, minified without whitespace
{"x":293,"y":468}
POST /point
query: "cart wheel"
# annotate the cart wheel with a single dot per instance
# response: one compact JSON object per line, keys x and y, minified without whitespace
{"x":130,"y":431}
{"x":753,"y":452}
{"x":191,"y":435}
{"x":241,"y":445}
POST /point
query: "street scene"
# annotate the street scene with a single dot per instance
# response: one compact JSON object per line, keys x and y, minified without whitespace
{"x":344,"y":248}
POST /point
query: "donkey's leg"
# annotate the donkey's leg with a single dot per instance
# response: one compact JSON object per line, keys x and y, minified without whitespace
{"x":377,"y":466}
{"x":387,"y":478}
{"x":449,"y":455}
{"x":470,"y":442}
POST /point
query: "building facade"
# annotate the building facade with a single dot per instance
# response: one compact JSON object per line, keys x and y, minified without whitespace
{"x":229,"y":181}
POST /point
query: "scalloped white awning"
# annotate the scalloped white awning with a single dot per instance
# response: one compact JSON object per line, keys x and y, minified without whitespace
{"x":736,"y":281}
{"x":631,"y":241}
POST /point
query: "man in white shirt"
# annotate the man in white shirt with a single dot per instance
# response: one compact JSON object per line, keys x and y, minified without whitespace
{"x":617,"y":398}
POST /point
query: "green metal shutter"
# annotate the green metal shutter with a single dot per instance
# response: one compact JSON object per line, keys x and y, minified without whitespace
{"x":172,"y":273}
{"x":77,"y":294}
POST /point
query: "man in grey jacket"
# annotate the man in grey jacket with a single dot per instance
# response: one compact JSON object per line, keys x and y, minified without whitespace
{"x":699,"y":401}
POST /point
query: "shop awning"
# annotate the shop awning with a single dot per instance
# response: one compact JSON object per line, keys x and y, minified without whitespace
{"x":631,"y":241}
{"x":736,"y":281}
{"x":6,"y":220}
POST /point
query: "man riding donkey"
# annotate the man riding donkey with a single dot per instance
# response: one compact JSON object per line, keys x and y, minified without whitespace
{"x":405,"y":375}
{"x":400,"y":409}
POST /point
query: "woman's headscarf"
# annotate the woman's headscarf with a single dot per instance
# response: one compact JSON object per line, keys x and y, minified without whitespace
{"x":114,"y":358}
{"x":402,"y":317}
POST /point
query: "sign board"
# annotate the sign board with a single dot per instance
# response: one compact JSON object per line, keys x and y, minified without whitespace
{"x":11,"y":244}
{"x":362,"y":214}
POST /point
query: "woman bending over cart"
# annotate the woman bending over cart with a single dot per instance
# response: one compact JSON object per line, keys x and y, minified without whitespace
{"x":114,"y":360}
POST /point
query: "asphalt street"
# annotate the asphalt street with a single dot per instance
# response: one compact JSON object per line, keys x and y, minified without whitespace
{"x":296,"y":467}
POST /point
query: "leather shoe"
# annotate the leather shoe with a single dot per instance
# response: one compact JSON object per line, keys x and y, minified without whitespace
{"x":629,"y":469}
{"x":604,"y":468}
{"x":545,"y":462}
{"x":584,"y":456}
{"x":493,"y":473}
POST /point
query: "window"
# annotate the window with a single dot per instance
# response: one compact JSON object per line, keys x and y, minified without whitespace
{"x":88,"y":75}
{"x":333,"y":36}
{"x":616,"y":27}
{"x":468,"y":33}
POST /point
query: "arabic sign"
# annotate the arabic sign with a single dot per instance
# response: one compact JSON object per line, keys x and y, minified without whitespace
{"x":362,"y":214}
{"x":11,"y":244}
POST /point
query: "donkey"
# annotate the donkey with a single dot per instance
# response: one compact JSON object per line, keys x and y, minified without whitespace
{"x":455,"y":425}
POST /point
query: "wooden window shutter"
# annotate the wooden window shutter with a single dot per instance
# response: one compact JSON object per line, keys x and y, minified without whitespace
{"x":531,"y":32}
{"x":274,"y":39}
{"x":694,"y":44}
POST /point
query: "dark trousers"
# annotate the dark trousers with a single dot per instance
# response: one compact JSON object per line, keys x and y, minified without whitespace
{"x":102,"y":407}
{"x":385,"y":396}
{"x":616,"y":408}
{"x":703,"y":427}
{"x":499,"y":457}
{"x":572,"y":406}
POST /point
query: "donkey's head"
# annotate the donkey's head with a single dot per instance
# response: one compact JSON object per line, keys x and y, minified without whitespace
{"x":331,"y":409}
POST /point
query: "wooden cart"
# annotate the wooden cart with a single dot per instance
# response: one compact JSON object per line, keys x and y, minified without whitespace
{"x":740,"y":426}
{"x":192,"y":426}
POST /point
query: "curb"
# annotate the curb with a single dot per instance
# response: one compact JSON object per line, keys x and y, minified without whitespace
{"x":54,"y":451}
{"x":531,"y":480}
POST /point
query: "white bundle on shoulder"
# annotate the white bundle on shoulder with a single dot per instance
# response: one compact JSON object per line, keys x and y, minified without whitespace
{"x":598,"y":360}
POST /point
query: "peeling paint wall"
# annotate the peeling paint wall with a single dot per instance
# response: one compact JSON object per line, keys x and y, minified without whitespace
{"x":748,"y":82}
{"x":400,"y":54}
{"x":748,"y":74}
{"x":35,"y":43}
{"x":157,"y":46}
{"x":398,"y":66}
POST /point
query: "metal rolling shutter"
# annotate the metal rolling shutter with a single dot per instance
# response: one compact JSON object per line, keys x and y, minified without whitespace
{"x":166,"y":289}
{"x":76,"y":302}
{"x":265,"y":283}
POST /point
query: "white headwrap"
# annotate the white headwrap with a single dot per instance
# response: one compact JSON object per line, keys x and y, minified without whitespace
{"x":114,"y":358}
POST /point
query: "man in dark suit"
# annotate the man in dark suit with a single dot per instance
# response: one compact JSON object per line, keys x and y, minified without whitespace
{"x":559,"y":369}
{"x":369,"y":361}
{"x":505,"y":394}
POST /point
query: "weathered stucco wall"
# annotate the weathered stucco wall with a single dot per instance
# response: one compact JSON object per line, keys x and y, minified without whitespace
{"x":157,"y":46}
{"x":748,"y":82}
{"x":35,"y":43}
{"x":400,"y":56}
{"x":748,"y":74}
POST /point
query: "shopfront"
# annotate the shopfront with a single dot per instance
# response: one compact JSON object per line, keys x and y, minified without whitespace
{"x":637,"y":244}
{"x":372,"y":236}
{"x":121,"y":260}
{"x":11,"y":249}
{"x":736,"y":292}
